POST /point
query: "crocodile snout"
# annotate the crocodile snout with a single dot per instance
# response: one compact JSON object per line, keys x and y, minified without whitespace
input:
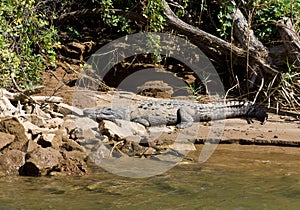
{"x":88,"y":112}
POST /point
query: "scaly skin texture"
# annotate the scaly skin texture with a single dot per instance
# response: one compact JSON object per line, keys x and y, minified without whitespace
{"x":180,"y":113}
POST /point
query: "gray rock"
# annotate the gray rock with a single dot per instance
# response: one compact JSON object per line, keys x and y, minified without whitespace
{"x":66,"y":109}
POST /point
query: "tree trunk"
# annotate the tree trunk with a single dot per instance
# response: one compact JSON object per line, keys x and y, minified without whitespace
{"x":214,"y":44}
{"x":291,"y":41}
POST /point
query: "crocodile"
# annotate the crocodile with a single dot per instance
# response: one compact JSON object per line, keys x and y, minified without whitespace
{"x":179,"y":112}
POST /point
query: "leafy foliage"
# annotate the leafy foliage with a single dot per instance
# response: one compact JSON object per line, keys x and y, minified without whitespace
{"x":225,"y":19}
{"x":153,"y":12}
{"x":264,"y":16}
{"x":27,"y":42}
{"x":111,"y":19}
{"x":268,"y":12}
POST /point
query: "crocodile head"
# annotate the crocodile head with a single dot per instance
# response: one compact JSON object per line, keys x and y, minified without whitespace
{"x":106,"y":113}
{"x":257,"y":112}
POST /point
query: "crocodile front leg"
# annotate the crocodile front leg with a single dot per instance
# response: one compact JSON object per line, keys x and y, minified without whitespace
{"x":184,"y":117}
{"x":142,"y":121}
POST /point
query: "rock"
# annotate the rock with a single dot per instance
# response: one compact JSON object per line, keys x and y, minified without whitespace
{"x":54,"y":114}
{"x":169,"y":156}
{"x":54,"y":122}
{"x":125,"y":136}
{"x":5,"y":139}
{"x":183,"y":148}
{"x":75,"y":128}
{"x":31,"y":145}
{"x":46,"y":139}
{"x":6,"y":108}
{"x":150,"y":151}
{"x":98,"y":152}
{"x":121,"y":129}
{"x":12,"y":126}
{"x":86,"y":128}
{"x":31,"y":128}
{"x":70,"y":145}
{"x":157,"y":89}
{"x":161,"y":129}
{"x":57,"y":141}
{"x":87,"y":134}
{"x":47,"y":99}
{"x":74,"y":163}
{"x":41,"y":161}
{"x":11,"y":161}
{"x":68,"y":126}
{"x":66,"y":109}
{"x":35,"y":130}
{"x":85,"y":123}
{"x":35,"y":119}
{"x":38,"y":111}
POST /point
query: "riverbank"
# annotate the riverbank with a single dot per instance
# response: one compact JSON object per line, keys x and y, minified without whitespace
{"x":54,"y":138}
{"x":46,"y":136}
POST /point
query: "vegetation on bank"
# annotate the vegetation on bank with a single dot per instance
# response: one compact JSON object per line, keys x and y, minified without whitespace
{"x":32,"y":34}
{"x":28,"y":40}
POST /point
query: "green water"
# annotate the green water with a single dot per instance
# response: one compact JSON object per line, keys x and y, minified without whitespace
{"x":236,"y":180}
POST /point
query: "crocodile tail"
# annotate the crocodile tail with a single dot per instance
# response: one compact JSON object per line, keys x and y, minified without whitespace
{"x":257,"y":112}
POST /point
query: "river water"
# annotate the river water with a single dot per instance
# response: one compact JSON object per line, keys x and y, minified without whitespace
{"x":235,"y":177}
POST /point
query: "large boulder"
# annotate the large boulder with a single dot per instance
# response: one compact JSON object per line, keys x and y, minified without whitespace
{"x":122,"y":130}
{"x":41,"y":161}
{"x":12,"y":125}
{"x":5,"y":140}
{"x":11,"y":161}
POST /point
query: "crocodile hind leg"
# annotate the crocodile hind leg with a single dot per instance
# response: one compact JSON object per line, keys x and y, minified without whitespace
{"x":184,"y":117}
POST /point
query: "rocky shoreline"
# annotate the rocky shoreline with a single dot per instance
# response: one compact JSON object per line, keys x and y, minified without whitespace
{"x":41,"y":135}
{"x":36,"y":137}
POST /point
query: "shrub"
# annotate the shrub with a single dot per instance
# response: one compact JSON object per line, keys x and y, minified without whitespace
{"x":27,"y":43}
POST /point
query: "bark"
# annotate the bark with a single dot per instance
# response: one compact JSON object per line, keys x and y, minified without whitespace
{"x":211,"y":45}
{"x":291,"y":41}
{"x":197,"y":35}
{"x":215,"y":44}
{"x":245,"y":35}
